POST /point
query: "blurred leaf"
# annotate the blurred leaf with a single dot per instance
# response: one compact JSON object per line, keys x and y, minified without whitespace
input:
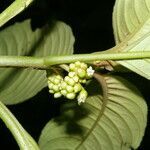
{"x":22,"y":137}
{"x":131,"y":23}
{"x":14,"y":9}
{"x":18,"y":85}
{"x":120,"y":126}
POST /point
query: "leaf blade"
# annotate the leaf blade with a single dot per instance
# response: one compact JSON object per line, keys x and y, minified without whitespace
{"x":19,"y":39}
{"x":129,"y":17}
{"x":131,"y":20}
{"x":119,"y":127}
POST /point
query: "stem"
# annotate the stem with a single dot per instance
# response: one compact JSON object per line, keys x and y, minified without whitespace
{"x":46,"y":62}
{"x":24,"y":140}
{"x":15,"y":8}
{"x":55,"y":60}
{"x":22,"y":61}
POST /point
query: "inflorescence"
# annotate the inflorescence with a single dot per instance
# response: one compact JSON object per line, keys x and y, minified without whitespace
{"x":70,"y":86}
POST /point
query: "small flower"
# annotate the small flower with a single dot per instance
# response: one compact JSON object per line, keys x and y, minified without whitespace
{"x":82,"y":96}
{"x":90,"y":71}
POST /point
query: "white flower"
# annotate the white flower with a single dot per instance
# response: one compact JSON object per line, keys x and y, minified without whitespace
{"x":82,"y":97}
{"x":90,"y":71}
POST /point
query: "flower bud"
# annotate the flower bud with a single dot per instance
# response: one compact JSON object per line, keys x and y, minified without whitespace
{"x":69,"y":88}
{"x":55,"y":88}
{"x":70,"y":95}
{"x":77,"y":63}
{"x":57,"y":95}
{"x":59,"y":77}
{"x":56,"y":81}
{"x":72,"y":67}
{"x":63,"y":85}
{"x":81,"y":73}
{"x":66,"y":79}
{"x":76,"y":78}
{"x":82,"y":81}
{"x":77,"y":87}
{"x":71,"y":82}
{"x":84,"y":66}
{"x":71,"y":74}
{"x":51,"y":91}
{"x":63,"y":92}
{"x":50,"y":85}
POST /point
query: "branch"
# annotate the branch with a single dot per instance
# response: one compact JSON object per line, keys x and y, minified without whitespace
{"x":101,"y":56}
{"x":46,"y":62}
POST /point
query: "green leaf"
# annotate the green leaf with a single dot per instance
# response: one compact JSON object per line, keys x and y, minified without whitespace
{"x":18,"y":85}
{"x":14,"y":9}
{"x":130,"y":17}
{"x":140,"y":66}
{"x":120,"y":125}
{"x":131,"y":23}
{"x":24,"y":140}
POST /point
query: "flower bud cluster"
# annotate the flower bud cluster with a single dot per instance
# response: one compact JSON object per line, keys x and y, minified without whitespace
{"x":81,"y":70}
{"x":54,"y":83}
{"x":71,"y":85}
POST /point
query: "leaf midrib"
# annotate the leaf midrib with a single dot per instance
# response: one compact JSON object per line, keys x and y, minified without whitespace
{"x":103,"y":83}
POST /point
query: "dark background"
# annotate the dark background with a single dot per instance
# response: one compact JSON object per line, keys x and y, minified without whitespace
{"x":91,"y":22}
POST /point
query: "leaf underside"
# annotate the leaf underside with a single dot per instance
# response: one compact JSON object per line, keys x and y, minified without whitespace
{"x":18,"y":85}
{"x":120,"y":126}
{"x":131,"y":24}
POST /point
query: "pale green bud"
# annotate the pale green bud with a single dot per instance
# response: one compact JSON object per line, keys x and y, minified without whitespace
{"x":63,"y":85}
{"x":66,"y":79}
{"x":82,"y":81}
{"x":84,"y":66}
{"x":69,"y":88}
{"x":57,"y":95}
{"x":82,"y":96}
{"x":55,"y":88}
{"x":72,"y":67}
{"x":77,"y":87}
{"x":56,"y":81}
{"x":50,"y":85}
{"x":71,"y":95}
{"x":71,"y":82}
{"x":71,"y":74}
{"x":59,"y":77}
{"x":51,"y":78}
{"x":77,"y":63}
{"x":63,"y":92}
{"x":76,"y":78}
{"x":51,"y":91}
{"x":81,"y":73}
